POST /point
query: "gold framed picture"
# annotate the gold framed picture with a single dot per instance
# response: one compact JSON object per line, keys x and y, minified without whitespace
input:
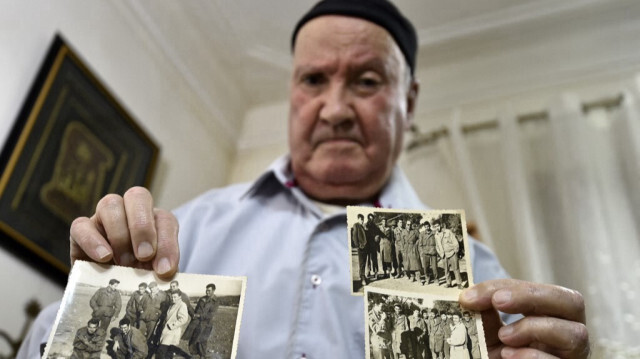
{"x":71,"y":143}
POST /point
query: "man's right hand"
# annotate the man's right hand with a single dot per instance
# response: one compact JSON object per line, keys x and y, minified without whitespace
{"x":130,"y":232}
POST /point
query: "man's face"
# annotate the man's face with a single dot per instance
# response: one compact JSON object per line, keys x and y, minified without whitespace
{"x":416,"y":313}
{"x":466,"y":317}
{"x":173,"y":286}
{"x":154,"y":290}
{"x":209,"y":291}
{"x":175,"y":297}
{"x":113,"y":286}
{"x":142,"y":289}
{"x":456,"y":319}
{"x":397,"y":309}
{"x":408,"y":224}
{"x":399,"y":224}
{"x":125,"y":328}
{"x":443,"y":316}
{"x":91,"y":328}
{"x":350,"y":103}
{"x":437,"y":227}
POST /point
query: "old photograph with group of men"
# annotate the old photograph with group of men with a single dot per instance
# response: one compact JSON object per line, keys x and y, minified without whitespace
{"x":403,"y":325}
{"x":124,"y":313}
{"x":408,"y":249}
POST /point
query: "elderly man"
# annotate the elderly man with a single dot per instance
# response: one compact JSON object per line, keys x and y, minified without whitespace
{"x":352,"y":97}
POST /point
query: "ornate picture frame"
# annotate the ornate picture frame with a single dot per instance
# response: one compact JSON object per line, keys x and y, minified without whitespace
{"x":71,"y":143}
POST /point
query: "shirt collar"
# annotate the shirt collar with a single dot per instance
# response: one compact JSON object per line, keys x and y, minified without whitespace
{"x":397,"y":193}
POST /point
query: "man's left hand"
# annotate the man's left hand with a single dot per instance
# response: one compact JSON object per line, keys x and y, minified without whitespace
{"x":553,"y":325}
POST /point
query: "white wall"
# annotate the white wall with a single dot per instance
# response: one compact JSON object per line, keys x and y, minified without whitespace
{"x":121,"y":53}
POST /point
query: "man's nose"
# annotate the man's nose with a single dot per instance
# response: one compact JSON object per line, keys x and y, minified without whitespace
{"x":337,"y":108}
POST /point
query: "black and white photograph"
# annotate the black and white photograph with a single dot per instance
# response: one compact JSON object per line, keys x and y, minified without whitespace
{"x":408,"y":250}
{"x":404,"y":325}
{"x":124,"y":313}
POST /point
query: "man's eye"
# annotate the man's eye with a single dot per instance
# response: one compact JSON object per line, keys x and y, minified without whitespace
{"x":368,"y":82}
{"x":313,"y":79}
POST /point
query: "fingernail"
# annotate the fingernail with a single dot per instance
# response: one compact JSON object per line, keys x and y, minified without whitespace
{"x":502,"y":297}
{"x":164,"y":266}
{"x":508,"y":352}
{"x":505,"y":331}
{"x":145,"y":250}
{"x":470,"y":294}
{"x":102,"y":252}
{"x":126,"y":259}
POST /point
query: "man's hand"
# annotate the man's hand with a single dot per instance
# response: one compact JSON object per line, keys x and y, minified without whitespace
{"x":128,"y":231}
{"x":553,"y":325}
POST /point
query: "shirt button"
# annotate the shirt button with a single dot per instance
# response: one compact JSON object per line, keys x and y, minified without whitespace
{"x":316,"y":280}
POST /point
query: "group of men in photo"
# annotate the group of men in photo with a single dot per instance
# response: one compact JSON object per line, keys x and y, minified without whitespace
{"x":426,"y":333}
{"x":406,"y":246}
{"x":153,"y":325}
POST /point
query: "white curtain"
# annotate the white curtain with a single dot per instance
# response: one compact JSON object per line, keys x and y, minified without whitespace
{"x":557,"y":199}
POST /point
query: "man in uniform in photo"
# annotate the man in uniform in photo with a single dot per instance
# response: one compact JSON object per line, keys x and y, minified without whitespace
{"x":401,"y":333}
{"x":106,"y":303}
{"x":359,"y":241}
{"x":436,"y":335}
{"x":472,"y":332}
{"x":399,"y":234}
{"x":386,"y":247}
{"x":138,"y":303}
{"x":380,"y":328}
{"x":419,"y":331}
{"x":389,"y":232}
{"x":447,"y":247}
{"x":89,"y":341}
{"x":428,"y":254}
{"x":446,"y":323}
{"x":130,"y":343}
{"x":177,"y":317}
{"x":155,"y":313}
{"x":372,"y":233}
{"x":412,"y":264}
{"x":427,"y":316}
{"x":458,"y":338}
{"x":201,"y":326}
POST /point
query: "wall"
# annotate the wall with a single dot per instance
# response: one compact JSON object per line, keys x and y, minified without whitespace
{"x":123,"y":55}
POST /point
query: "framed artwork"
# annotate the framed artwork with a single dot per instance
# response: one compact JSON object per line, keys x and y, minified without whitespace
{"x":71,"y":144}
